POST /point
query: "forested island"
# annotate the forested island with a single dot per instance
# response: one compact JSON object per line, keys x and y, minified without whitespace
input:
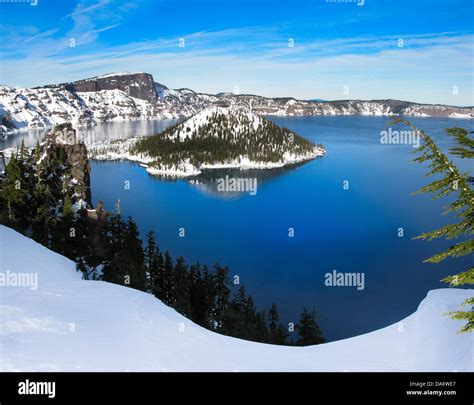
{"x":217,"y":137}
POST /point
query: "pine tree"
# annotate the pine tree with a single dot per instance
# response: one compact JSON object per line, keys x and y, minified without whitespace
{"x":308,"y":330}
{"x":277,"y":332}
{"x":159,"y":285}
{"x":451,"y":182}
{"x":273,"y":319}
{"x":93,"y":243}
{"x":133,"y":251}
{"x":150,"y":261}
{"x":221,"y":293}
{"x":40,"y":223}
{"x":235,"y":317}
{"x":37,"y":152}
{"x":281,"y":337}
{"x":182,"y":287}
{"x":168,"y":280}
{"x":261,"y":331}
{"x":14,"y":195}
{"x":63,"y":238}
{"x":200,"y":295}
{"x":114,"y":271}
{"x":24,"y":153}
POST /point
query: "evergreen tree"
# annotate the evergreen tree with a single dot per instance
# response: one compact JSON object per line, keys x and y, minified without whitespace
{"x":24,"y":153}
{"x":41,"y":222}
{"x":114,"y":270}
{"x":277,"y":333}
{"x":273,"y":319}
{"x":308,"y":330}
{"x":168,"y":280}
{"x":63,"y":238}
{"x":281,"y":337}
{"x":235,"y":317}
{"x":134,"y":256}
{"x":221,"y":293}
{"x":150,"y":261}
{"x":182,"y":287}
{"x":159,"y":289}
{"x":261,"y":331}
{"x":93,"y":243}
{"x":37,"y":152}
{"x":14,"y":195}
{"x":200,"y":295}
{"x":452,"y":182}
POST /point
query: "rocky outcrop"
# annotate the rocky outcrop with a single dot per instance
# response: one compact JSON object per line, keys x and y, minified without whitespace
{"x":137,"y":85}
{"x":63,"y":163}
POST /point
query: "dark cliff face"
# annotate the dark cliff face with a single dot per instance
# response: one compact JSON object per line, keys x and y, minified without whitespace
{"x":137,"y":85}
{"x":80,"y":169}
{"x":63,"y":163}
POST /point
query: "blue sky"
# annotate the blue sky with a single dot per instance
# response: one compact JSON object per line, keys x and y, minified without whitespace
{"x":412,"y":50}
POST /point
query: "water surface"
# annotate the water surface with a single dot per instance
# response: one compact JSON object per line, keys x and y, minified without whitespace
{"x":348,"y":230}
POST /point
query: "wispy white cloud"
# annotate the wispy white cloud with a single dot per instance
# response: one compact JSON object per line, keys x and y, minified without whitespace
{"x":92,"y":35}
{"x":82,"y":8}
{"x":259,"y":60}
{"x":43,"y":34}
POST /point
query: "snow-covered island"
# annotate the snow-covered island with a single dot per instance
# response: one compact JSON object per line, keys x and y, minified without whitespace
{"x":55,"y":321}
{"x":217,"y":137}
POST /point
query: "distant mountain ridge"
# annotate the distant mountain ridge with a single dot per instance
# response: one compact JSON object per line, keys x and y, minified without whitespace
{"x":133,"y":96}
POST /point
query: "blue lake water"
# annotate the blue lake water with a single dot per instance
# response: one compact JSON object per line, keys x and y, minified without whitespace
{"x":354,"y":230}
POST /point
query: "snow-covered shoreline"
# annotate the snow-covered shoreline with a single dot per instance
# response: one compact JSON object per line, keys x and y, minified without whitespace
{"x":170,"y":116}
{"x":69,"y":324}
{"x":186,"y":169}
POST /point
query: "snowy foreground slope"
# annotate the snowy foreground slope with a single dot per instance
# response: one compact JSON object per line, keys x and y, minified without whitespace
{"x":68,"y":324}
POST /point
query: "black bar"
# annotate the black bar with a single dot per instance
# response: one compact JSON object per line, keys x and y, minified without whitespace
{"x":456,"y":388}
